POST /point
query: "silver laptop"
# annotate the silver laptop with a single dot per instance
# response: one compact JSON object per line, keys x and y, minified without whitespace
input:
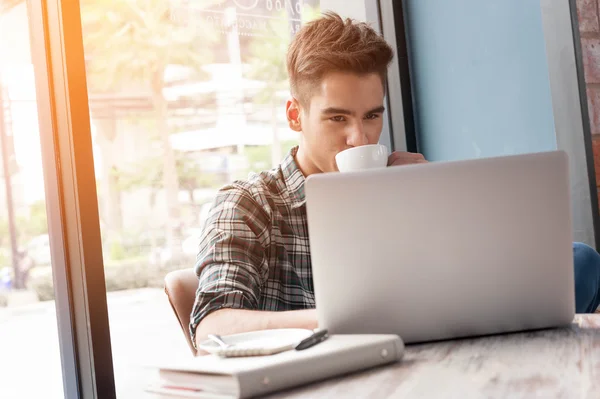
{"x":444,"y":250}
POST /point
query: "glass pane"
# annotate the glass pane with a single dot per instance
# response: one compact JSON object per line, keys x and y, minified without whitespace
{"x":29,"y":349}
{"x":481,"y":103}
{"x":185,"y":96}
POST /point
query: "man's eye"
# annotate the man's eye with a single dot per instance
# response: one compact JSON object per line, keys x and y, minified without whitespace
{"x":372,"y":116}
{"x":338,"y":118}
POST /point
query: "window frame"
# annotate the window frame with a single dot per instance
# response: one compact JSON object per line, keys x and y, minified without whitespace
{"x":71,"y":199}
{"x":571,"y":116}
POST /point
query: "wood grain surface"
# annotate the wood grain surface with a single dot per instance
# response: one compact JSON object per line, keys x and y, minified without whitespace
{"x":554,"y":363}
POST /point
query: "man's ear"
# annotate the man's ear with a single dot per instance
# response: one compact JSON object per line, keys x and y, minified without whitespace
{"x":292,"y":110}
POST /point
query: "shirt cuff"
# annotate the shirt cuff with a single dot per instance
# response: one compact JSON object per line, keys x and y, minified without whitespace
{"x":228,"y":300}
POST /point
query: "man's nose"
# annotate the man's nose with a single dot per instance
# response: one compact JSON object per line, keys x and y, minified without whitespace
{"x":357,"y":136}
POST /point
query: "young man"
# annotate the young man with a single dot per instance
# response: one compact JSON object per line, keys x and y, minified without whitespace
{"x":254,"y":262}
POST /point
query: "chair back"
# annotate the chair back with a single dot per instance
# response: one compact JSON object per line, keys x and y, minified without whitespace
{"x":180,"y":287}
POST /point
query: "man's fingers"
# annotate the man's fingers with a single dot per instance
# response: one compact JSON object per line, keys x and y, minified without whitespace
{"x":404,"y":158}
{"x":408,"y":155}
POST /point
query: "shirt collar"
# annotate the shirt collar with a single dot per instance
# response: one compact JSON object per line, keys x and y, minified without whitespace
{"x":294,"y":179}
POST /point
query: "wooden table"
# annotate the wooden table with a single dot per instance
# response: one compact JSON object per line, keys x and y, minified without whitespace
{"x":556,"y":363}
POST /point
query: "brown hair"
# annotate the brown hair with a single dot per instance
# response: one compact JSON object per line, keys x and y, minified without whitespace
{"x":329,"y":44}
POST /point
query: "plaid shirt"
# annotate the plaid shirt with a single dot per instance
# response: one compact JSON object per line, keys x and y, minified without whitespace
{"x":254,"y":251}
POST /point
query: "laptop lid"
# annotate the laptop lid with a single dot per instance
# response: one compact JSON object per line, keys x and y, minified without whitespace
{"x":443,"y":250}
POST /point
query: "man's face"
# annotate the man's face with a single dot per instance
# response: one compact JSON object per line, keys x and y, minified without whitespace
{"x":345,"y":111}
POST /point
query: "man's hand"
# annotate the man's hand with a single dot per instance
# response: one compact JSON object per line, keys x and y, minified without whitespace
{"x":405,"y":158}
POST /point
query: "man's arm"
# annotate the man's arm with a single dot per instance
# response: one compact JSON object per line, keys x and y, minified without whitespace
{"x":233,"y":321}
{"x":232,"y":266}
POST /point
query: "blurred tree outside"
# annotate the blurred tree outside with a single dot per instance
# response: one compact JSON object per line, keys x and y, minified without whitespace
{"x":259,"y":156}
{"x":105,"y":138}
{"x":32,"y":238}
{"x":34,"y":224}
{"x":7,"y":5}
{"x":149,"y":173}
{"x":129,"y":44}
{"x":18,"y":228}
{"x":4,"y":237}
{"x":192,"y":177}
{"x":268,"y":64}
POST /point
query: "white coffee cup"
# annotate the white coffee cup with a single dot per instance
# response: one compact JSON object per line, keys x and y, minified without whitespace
{"x":369,"y":156}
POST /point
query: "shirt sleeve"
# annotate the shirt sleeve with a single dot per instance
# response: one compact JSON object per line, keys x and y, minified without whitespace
{"x":231,"y":264}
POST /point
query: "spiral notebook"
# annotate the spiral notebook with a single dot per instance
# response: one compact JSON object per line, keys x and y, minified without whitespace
{"x":213,"y":376}
{"x":257,"y":343}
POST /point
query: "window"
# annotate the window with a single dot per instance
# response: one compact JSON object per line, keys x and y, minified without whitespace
{"x":184,"y":97}
{"x":29,"y":343}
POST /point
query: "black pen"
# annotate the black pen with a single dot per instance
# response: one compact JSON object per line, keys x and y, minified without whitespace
{"x":315,"y":338}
